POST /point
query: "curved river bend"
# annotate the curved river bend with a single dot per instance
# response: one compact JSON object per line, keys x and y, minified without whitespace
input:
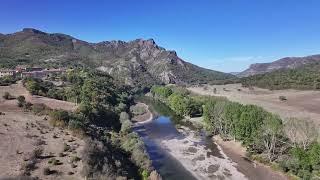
{"x":183,"y":153}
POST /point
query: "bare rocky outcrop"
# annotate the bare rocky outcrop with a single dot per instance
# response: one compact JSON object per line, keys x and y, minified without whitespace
{"x":154,"y":175}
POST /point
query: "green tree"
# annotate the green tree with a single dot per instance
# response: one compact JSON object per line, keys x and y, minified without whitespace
{"x":21,"y":101}
{"x":270,"y":134}
{"x":314,"y":154}
{"x":208,"y":115}
{"x":232,"y":114}
{"x":161,"y":91}
{"x":250,"y":123}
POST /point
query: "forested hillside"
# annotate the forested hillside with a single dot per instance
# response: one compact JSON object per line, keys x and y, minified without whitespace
{"x":305,"y":77}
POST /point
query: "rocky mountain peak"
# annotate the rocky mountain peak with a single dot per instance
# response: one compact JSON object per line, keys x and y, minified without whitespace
{"x":33,"y":31}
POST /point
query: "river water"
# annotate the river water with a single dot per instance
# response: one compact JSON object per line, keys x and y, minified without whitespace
{"x":182,"y":153}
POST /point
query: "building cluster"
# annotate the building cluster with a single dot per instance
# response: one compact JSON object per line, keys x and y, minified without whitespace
{"x":36,"y":72}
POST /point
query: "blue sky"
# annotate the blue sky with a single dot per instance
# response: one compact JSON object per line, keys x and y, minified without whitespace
{"x":225,"y":35}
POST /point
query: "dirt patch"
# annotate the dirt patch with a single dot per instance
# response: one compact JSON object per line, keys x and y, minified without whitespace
{"x":18,"y":90}
{"x":23,"y":134}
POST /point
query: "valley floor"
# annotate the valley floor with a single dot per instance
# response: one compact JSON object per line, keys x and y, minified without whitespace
{"x":299,"y":104}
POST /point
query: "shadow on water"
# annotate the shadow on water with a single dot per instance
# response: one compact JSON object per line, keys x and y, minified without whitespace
{"x":163,"y":127}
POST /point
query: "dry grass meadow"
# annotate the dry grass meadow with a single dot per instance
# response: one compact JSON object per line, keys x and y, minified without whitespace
{"x":300,"y":104}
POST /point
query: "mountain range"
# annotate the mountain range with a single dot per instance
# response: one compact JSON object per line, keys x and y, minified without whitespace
{"x":134,"y":62}
{"x":284,"y":63}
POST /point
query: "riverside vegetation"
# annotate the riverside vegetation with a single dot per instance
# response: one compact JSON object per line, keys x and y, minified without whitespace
{"x":112,"y":149}
{"x":290,"y":146}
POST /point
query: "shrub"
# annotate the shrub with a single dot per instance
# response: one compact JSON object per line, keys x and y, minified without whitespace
{"x":40,"y":109}
{"x":126,"y":127}
{"x":75,"y":159}
{"x":133,"y":144}
{"x":282,"y":98}
{"x":161,"y":91}
{"x":28,"y":166}
{"x":8,"y":96}
{"x":121,"y":107}
{"x":21,"y":101}
{"x":50,"y":161}
{"x":138,"y":110}
{"x":215,"y":90}
{"x":36,"y":153}
{"x":66,"y":147}
{"x":56,"y":162}
{"x":124,"y":116}
{"x":7,"y":80}
{"x":59,"y":117}
{"x":27,"y":106}
{"x":46,"y":171}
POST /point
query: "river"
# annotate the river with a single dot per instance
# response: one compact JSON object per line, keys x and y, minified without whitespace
{"x":179,"y":151}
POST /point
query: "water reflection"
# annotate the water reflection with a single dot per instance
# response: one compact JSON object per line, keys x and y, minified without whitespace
{"x":163,"y":127}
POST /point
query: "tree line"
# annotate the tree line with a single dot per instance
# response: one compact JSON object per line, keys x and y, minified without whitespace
{"x":289,"y":145}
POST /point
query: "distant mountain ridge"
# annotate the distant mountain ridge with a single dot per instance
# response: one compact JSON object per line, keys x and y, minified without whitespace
{"x":134,"y":62}
{"x":284,"y":63}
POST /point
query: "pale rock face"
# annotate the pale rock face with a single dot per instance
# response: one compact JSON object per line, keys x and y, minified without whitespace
{"x":104,"y":69}
{"x":167,"y":77}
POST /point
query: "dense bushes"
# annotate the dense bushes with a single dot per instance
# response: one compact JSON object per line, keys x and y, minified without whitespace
{"x":133,"y":144}
{"x":161,"y":91}
{"x":184,"y":105}
{"x":59,"y":117}
{"x":8,"y":80}
{"x":179,"y":101}
{"x":304,"y":163}
{"x":103,"y":161}
{"x":44,"y":88}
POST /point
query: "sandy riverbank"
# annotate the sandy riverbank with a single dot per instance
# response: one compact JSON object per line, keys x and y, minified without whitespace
{"x":197,"y":158}
{"x":252,"y":170}
{"x":143,"y":118}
